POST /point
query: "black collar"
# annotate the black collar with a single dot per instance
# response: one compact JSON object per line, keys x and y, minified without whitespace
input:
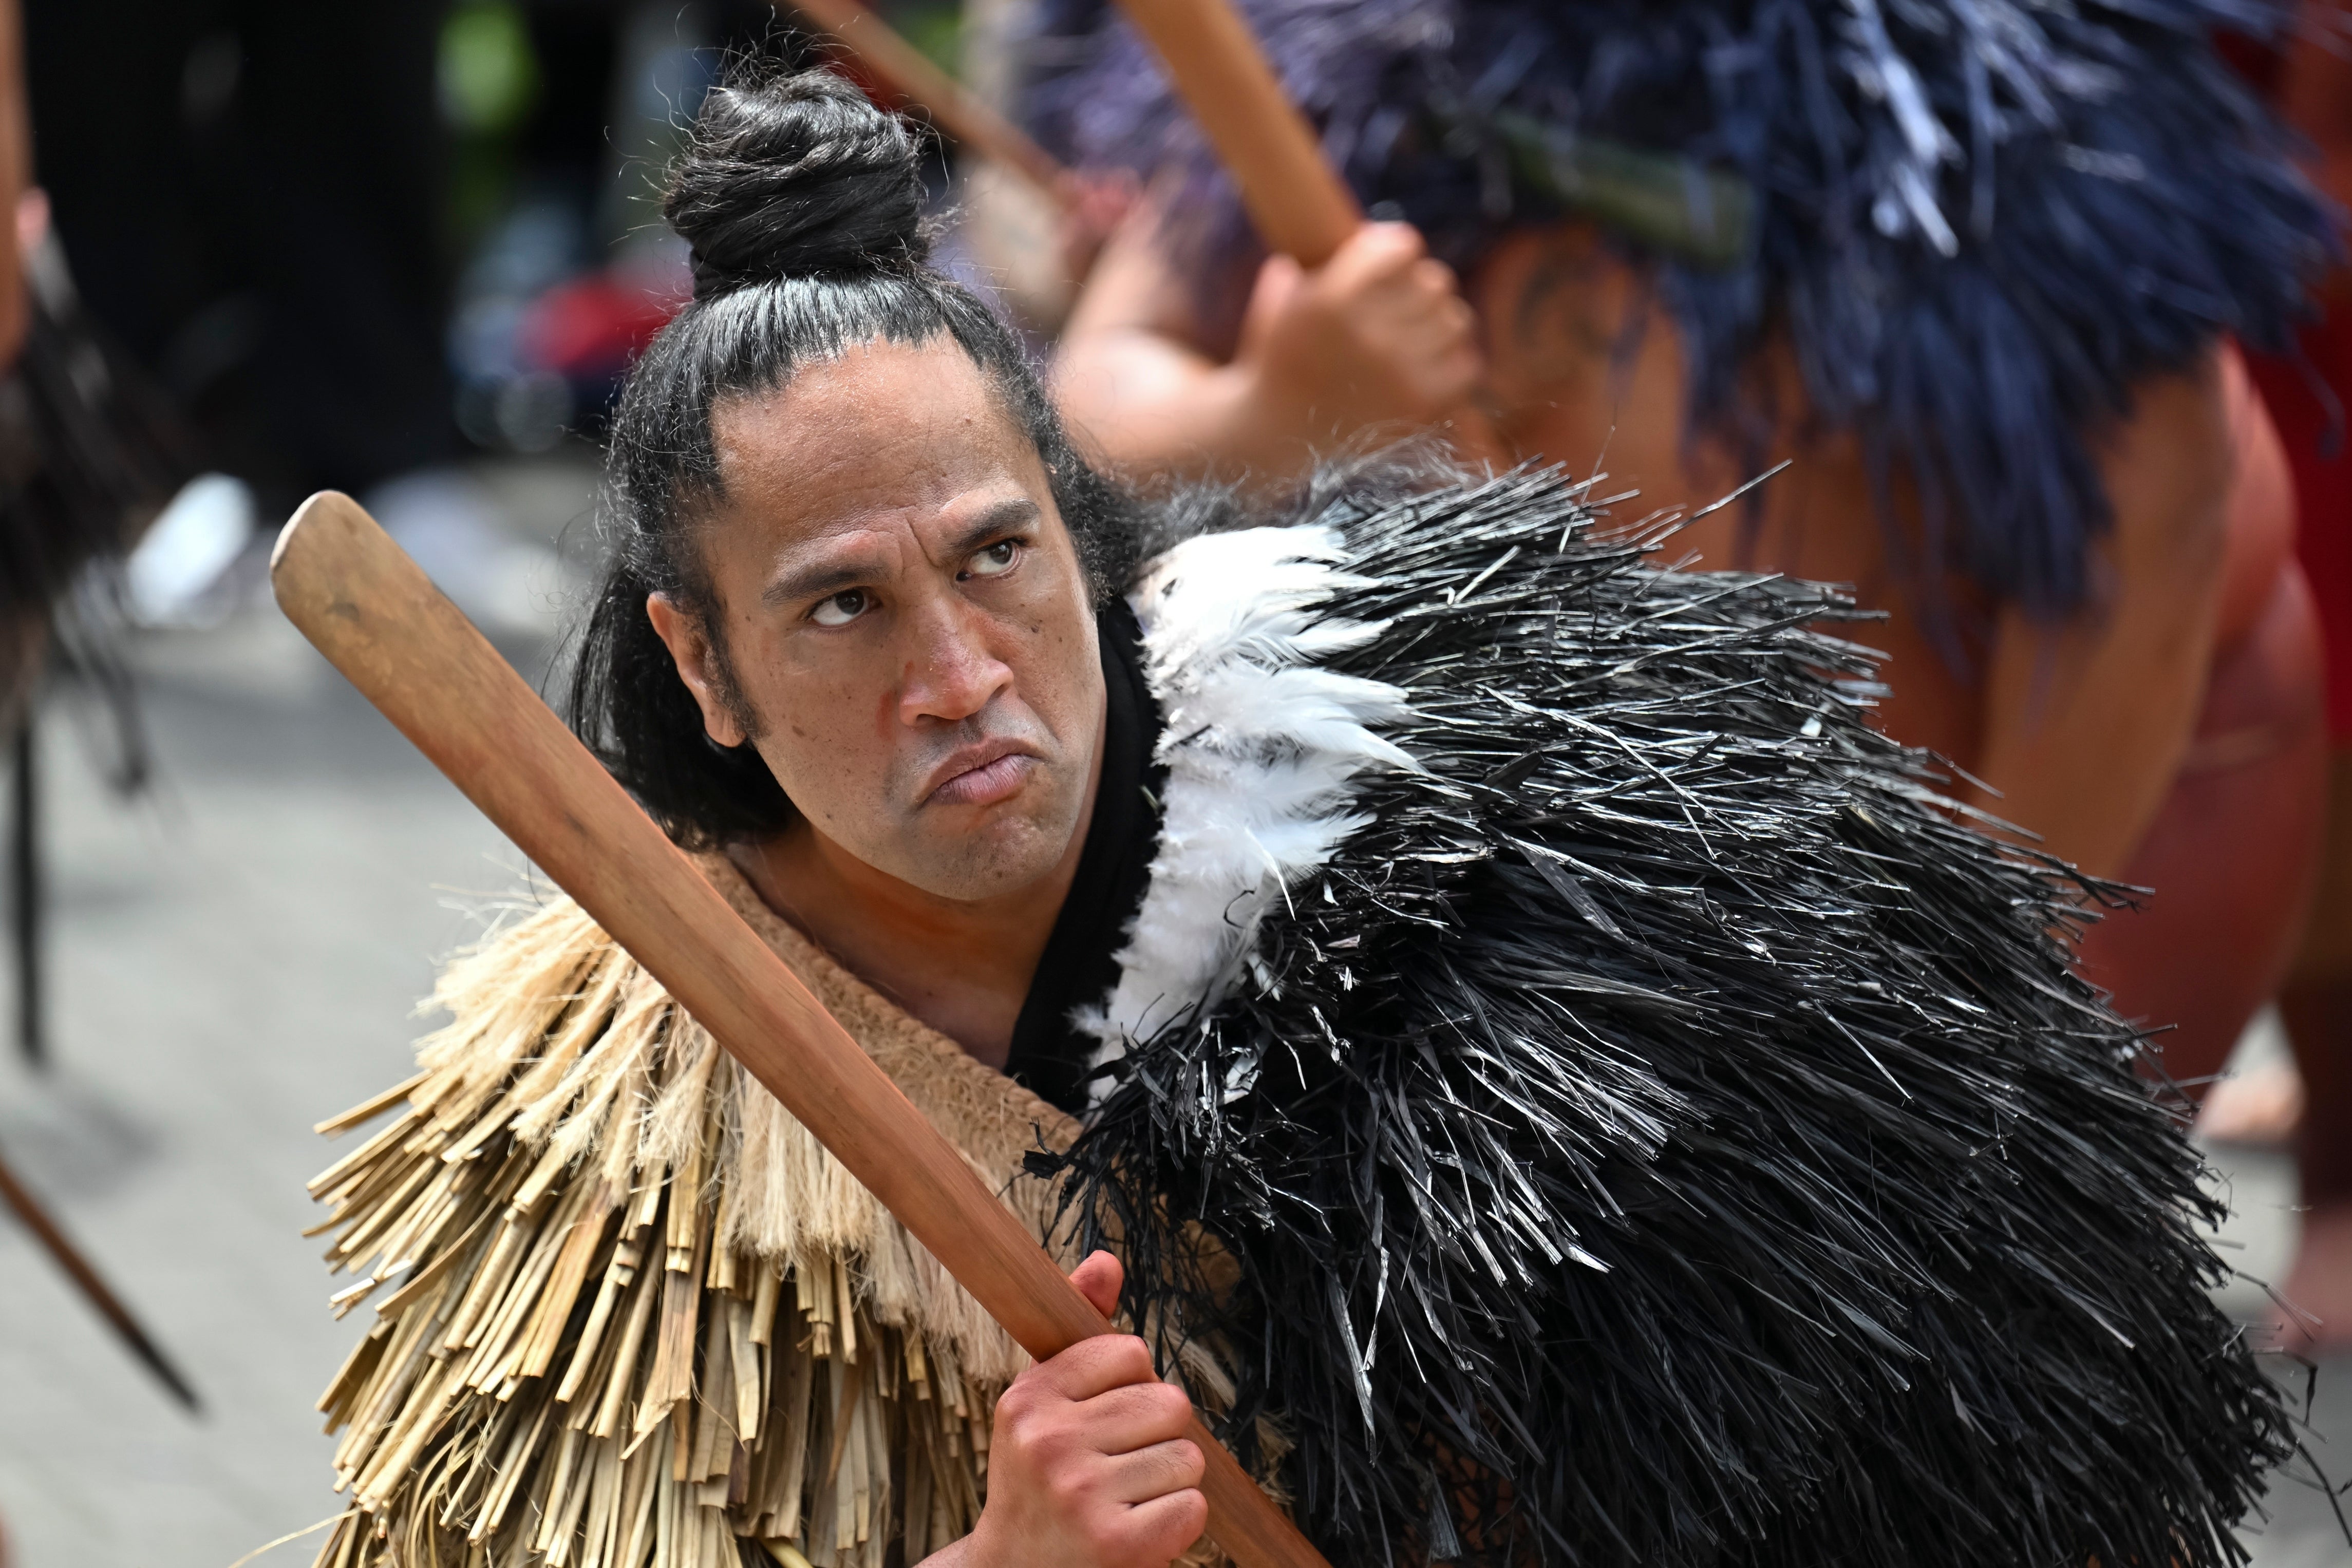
{"x":1080,"y":964}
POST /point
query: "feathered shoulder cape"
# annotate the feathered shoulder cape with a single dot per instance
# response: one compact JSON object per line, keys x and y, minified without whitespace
{"x":1636,"y":1122}
{"x":1650,"y":1126}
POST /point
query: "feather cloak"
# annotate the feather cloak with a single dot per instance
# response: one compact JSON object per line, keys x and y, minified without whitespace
{"x":1651,"y":1125}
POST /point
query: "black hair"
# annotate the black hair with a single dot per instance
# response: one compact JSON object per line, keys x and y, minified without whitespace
{"x":804,"y":206}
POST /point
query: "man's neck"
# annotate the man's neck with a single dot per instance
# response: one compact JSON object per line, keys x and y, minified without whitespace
{"x":964,"y":968}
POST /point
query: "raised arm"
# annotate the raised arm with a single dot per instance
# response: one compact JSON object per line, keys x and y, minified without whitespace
{"x":1378,"y":337}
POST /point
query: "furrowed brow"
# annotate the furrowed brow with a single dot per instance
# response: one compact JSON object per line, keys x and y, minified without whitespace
{"x":1005,"y":517}
{"x":821,"y":579}
{"x":818,"y":579}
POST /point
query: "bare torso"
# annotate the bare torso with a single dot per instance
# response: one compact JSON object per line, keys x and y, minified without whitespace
{"x":2080,"y":726}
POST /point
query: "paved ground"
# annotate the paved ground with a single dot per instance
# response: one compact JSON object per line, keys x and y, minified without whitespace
{"x":235,"y":958}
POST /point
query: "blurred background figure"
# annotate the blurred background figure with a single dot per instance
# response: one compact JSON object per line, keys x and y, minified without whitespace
{"x":2304,"y":1100}
{"x":406,"y":250}
{"x":252,"y":196}
{"x":2063,"y":492}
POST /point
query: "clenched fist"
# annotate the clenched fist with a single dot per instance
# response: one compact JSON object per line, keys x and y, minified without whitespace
{"x":1087,"y":1464}
{"x":1377,"y":335}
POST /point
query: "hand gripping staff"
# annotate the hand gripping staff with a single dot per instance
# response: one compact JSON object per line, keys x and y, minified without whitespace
{"x":378,"y":619}
{"x":1298,"y":202}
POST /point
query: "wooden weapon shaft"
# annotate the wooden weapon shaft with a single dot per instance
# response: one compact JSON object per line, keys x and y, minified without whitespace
{"x":908,"y":72}
{"x":1300,"y":205}
{"x":378,"y":619}
{"x":50,"y":1235}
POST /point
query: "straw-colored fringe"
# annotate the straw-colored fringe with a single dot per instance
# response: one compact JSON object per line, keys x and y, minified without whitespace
{"x":631,"y":1312}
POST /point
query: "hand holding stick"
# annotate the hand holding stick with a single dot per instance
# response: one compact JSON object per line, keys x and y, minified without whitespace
{"x":1299,"y":203}
{"x":380,"y":621}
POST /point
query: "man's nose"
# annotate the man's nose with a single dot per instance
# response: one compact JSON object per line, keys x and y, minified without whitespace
{"x":951,"y":675}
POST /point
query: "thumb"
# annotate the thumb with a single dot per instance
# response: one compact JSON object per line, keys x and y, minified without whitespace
{"x":1277,"y":284}
{"x":1099,"y":1280}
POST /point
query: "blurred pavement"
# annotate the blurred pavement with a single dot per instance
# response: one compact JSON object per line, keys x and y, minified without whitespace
{"x":235,"y":957}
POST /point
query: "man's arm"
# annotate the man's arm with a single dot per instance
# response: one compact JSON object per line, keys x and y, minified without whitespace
{"x":2086,"y":723}
{"x":1378,"y":336}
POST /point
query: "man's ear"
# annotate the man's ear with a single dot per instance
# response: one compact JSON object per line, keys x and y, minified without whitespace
{"x":697,"y":666}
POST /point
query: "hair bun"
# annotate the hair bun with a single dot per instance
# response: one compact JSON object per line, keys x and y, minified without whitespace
{"x":795,"y":175}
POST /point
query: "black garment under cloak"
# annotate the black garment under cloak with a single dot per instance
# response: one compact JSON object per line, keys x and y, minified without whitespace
{"x":1080,"y":962}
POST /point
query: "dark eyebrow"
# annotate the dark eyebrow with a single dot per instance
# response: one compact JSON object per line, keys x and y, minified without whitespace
{"x":1007,"y":516}
{"x":819,"y":579}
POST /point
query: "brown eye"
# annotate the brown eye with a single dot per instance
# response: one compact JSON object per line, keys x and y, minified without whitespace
{"x":995,"y":560}
{"x":842,"y":609}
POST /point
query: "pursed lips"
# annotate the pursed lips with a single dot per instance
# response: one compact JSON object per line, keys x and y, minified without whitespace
{"x":982,"y":774}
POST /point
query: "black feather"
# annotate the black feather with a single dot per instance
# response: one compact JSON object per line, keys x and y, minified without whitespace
{"x":1668,"y":1133}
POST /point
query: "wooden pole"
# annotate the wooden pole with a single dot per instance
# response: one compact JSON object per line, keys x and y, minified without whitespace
{"x":909,"y":74}
{"x":380,"y":621}
{"x":1297,"y":200}
{"x":1300,"y":205}
{"x":25,"y":905}
{"x":52,"y":1236}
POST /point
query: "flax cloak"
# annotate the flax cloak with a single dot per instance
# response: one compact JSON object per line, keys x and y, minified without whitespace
{"x":627,"y":1302}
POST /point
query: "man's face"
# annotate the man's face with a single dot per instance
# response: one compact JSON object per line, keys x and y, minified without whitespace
{"x":904,"y":618}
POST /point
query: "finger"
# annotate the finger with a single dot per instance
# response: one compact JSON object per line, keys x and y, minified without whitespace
{"x":1432,"y":351}
{"x":1151,"y":1473}
{"x":1097,"y":1366}
{"x":1374,"y":255}
{"x":1277,"y":280}
{"x":1277,"y":285}
{"x":1400,"y":245}
{"x":1136,"y":1417}
{"x":1160,"y":1529}
{"x":1434,"y":275}
{"x":1099,"y":1278}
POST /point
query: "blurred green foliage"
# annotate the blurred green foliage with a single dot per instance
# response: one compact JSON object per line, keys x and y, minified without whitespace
{"x":489,"y":73}
{"x":488,"y":78}
{"x":933,"y":27}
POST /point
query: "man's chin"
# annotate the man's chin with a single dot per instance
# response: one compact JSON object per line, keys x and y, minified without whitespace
{"x":995,"y":852}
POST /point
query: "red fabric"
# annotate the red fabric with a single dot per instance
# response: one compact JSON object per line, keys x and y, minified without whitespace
{"x":590,"y":329}
{"x":2321,"y":459}
{"x":2233,"y":854}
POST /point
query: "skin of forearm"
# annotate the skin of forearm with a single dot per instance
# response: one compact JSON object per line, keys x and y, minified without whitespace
{"x":2087,"y":722}
{"x":1145,"y":405}
{"x":1141,"y":395}
{"x":1377,"y":339}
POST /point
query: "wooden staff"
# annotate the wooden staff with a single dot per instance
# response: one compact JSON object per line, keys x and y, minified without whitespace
{"x":1297,"y":200}
{"x":379,"y":620}
{"x":907,"y":72}
{"x":1300,"y":205}
{"x":77,"y":1269}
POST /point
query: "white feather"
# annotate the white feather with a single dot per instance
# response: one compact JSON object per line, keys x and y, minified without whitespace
{"x":1262,"y":748}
